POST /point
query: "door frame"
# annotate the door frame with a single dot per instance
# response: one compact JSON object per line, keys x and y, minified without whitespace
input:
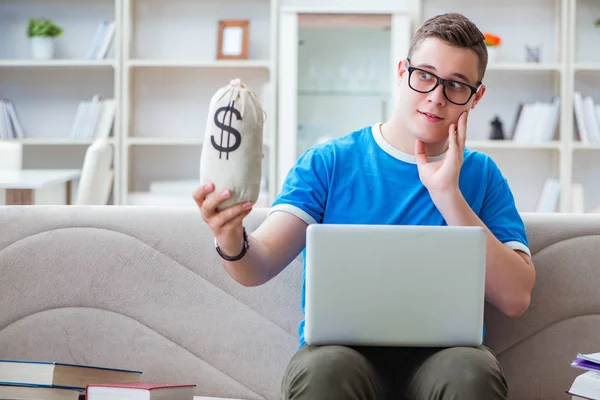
{"x":287,"y":71}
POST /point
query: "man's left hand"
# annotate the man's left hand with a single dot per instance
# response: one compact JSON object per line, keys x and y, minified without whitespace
{"x":440,"y":177}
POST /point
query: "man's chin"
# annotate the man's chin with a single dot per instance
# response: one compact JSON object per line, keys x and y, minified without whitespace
{"x":431,"y":138}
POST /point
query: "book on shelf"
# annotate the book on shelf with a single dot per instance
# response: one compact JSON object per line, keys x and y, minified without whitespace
{"x":536,"y":122}
{"x":94,"y":118}
{"x":587,"y":118}
{"x":103,"y":38}
{"x":577,"y":198}
{"x":140,"y":391}
{"x":586,"y":385}
{"x":549,"y":197}
{"x":10,"y":126}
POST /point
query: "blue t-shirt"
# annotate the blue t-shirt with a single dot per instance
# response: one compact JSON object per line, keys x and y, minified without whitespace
{"x":362,"y":179}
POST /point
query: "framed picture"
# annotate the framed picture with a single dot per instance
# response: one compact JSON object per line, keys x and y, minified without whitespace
{"x":233,"y":40}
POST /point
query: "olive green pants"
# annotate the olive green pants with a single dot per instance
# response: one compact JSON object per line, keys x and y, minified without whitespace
{"x":377,"y":373}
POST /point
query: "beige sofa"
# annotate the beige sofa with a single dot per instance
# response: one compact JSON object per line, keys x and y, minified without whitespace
{"x":142,"y":288}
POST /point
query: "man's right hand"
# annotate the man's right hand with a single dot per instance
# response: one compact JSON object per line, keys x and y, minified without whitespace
{"x":274,"y":243}
{"x":226,"y":224}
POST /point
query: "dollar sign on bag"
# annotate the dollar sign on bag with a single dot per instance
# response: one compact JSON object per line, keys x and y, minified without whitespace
{"x":227,"y":128}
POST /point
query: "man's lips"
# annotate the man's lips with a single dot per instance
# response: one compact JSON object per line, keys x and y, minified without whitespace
{"x":430,"y":115}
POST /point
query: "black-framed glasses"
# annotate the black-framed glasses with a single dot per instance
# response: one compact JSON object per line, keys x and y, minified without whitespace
{"x":423,"y":81}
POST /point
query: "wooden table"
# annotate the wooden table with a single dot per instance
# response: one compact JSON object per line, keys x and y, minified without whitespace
{"x":20,"y":186}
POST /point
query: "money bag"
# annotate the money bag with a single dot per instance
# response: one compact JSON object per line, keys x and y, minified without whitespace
{"x":232,"y":150}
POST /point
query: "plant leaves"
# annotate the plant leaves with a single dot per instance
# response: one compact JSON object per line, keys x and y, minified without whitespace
{"x":43,"y":27}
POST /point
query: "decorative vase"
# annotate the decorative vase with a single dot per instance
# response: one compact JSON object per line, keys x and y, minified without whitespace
{"x":492,"y":54}
{"x":497,"y":132}
{"x":42,"y":48}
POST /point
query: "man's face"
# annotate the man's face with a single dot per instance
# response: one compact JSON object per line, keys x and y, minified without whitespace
{"x":428,"y":116}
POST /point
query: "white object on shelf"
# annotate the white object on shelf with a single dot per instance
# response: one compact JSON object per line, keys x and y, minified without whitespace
{"x":492,"y":54}
{"x":42,"y":48}
{"x":184,"y":187}
{"x":11,"y":156}
{"x":152,"y":199}
{"x":549,"y":198}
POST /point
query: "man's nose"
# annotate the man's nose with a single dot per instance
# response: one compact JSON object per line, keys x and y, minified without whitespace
{"x":437,"y":95}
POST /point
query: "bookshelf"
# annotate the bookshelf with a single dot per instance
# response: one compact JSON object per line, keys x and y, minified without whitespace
{"x":46,"y":93}
{"x":170,"y":73}
{"x":162,"y":70}
{"x":564,"y":30}
{"x":585,"y":79}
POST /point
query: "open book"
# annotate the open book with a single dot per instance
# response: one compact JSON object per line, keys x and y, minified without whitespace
{"x":586,"y":386}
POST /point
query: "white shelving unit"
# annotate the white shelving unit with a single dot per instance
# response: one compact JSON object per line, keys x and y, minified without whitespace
{"x":46,"y":93}
{"x":584,"y":159}
{"x":58,"y":63}
{"x":170,"y":73}
{"x":564,"y":30}
{"x":162,"y":71}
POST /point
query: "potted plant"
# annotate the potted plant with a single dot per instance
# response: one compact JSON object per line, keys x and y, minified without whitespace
{"x":493,"y":43}
{"x":41,"y":33}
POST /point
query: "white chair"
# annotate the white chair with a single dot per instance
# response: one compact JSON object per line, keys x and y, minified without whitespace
{"x":11,"y":159}
{"x":96,"y":175}
{"x":11,"y":155}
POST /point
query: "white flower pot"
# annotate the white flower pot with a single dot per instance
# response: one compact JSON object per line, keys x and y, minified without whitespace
{"x":492,"y":54}
{"x":42,"y":48}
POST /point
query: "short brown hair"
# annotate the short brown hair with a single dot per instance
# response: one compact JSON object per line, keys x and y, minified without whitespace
{"x":456,"y":30}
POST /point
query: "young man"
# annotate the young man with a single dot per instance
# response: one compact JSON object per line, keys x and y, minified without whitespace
{"x":412,"y":169}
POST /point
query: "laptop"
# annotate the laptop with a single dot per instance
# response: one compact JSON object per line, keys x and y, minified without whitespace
{"x":390,"y":285}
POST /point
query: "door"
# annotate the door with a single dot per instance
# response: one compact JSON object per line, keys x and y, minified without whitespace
{"x":337,"y":74}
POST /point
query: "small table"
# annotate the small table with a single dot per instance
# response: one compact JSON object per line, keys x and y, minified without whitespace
{"x":20,"y":185}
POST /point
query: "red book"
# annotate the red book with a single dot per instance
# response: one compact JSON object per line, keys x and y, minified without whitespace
{"x":140,"y":391}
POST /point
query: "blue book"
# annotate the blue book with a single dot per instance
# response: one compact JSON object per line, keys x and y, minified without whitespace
{"x":25,"y":391}
{"x":74,"y":376}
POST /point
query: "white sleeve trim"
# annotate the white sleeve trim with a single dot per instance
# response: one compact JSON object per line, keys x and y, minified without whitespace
{"x":518,"y":246}
{"x":298,"y":212}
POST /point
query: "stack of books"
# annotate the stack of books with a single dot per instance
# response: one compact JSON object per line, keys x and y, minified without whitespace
{"x":587,"y":118}
{"x":10,"y":126}
{"x":60,"y":381}
{"x":94,"y":118}
{"x":536,"y":122}
{"x":586,"y":385}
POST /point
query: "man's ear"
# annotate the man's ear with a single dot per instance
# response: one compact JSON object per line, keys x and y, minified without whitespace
{"x":402,"y":70}
{"x":478,"y":96}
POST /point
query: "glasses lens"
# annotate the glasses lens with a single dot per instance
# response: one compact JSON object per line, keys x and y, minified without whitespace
{"x":457,"y":92}
{"x":423,"y":81}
